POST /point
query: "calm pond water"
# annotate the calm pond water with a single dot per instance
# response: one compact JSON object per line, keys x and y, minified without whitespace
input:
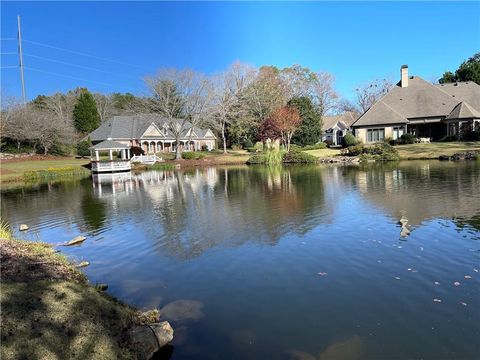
{"x":294,"y":263}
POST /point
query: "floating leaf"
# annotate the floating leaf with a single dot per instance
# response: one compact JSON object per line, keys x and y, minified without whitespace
{"x":463,"y":303}
{"x":397,"y":277}
{"x":436,"y":283}
{"x":437,"y":300}
{"x":456,"y":283}
{"x":322,"y":273}
{"x":468,"y":277}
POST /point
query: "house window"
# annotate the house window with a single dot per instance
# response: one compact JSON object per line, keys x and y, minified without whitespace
{"x":398,"y":131}
{"x":375,"y":135}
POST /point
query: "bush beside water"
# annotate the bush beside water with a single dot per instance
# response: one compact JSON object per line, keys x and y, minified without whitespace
{"x":273,"y":158}
{"x":190,"y":155}
{"x":378,"y":152}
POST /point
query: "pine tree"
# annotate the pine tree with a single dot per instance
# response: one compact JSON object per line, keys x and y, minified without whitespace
{"x":85,"y":114}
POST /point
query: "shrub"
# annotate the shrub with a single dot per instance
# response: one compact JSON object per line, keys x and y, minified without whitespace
{"x":256,"y":159}
{"x":406,"y":139}
{"x":380,"y":152}
{"x":317,"y":146}
{"x":235,"y":147}
{"x":298,"y":157}
{"x":83,"y":148}
{"x":252,"y":149}
{"x":353,"y":150}
{"x":349,"y":140}
{"x":188,"y":155}
{"x":471,"y":136}
{"x":201,"y":156}
{"x":259,"y":146}
{"x":247,"y":143}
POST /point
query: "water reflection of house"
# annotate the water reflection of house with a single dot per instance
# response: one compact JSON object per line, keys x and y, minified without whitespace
{"x":414,"y":189}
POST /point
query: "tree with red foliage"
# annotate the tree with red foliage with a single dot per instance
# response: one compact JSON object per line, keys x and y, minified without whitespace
{"x":286,"y":120}
{"x":269,"y":130}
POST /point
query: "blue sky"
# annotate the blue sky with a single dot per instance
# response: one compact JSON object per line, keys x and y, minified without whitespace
{"x":356,"y":42}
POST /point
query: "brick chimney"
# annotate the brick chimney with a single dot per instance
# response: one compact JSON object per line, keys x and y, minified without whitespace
{"x":404,"y":76}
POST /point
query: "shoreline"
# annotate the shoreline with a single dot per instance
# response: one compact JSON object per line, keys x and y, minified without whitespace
{"x":49,"y":309}
{"x":14,"y":169}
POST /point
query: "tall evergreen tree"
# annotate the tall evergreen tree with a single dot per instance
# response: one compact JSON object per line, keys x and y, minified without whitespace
{"x":310,"y":129}
{"x":468,"y":71}
{"x":85,"y":114}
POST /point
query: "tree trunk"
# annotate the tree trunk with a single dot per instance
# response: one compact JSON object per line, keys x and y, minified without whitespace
{"x":224,"y":139}
{"x":178,"y":153}
{"x":45,"y":150}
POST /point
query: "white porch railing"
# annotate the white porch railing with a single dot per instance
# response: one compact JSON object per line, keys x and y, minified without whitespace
{"x":146,"y":159}
{"x":111,"y":165}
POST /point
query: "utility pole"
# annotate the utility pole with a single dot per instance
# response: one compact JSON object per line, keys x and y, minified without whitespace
{"x":20,"y":60}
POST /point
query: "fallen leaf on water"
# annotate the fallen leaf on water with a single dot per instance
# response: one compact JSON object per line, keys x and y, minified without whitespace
{"x":463,"y":303}
{"x":476,"y":270}
{"x":468,"y":277}
{"x":456,"y":283}
{"x":397,"y":277}
{"x":409,"y":269}
{"x":322,"y":273}
{"x":436,"y":283}
{"x":437,"y":300}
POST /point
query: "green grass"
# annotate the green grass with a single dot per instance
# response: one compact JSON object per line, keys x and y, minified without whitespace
{"x":12,"y":171}
{"x":49,"y":311}
{"x":434,"y":150}
{"x":323,"y":153}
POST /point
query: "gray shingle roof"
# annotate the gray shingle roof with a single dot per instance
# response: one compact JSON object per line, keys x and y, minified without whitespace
{"x":467,"y":91}
{"x":347,"y":118}
{"x":421,"y":99}
{"x":109,"y":144}
{"x":380,"y":114}
{"x":463,"y":111}
{"x":134,"y":126}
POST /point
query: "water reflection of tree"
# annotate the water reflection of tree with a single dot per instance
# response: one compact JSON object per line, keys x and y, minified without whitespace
{"x":93,"y":210}
{"x":232,"y":206}
{"x":421,"y":190}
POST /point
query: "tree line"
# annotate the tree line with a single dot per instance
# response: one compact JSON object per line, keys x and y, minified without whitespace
{"x":242,"y":104}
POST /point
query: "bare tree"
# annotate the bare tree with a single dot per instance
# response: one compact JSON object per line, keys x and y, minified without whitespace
{"x":60,"y":106}
{"x":50,"y":129}
{"x":17,"y":123}
{"x":181,"y":96}
{"x":324,"y":95}
{"x":228,"y":88}
{"x":105,"y":106}
{"x":368,"y":94}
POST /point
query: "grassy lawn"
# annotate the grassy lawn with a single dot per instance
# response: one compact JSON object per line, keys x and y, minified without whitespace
{"x":322,"y":153}
{"x":434,"y":150}
{"x":14,"y":170}
{"x":50,"y":312}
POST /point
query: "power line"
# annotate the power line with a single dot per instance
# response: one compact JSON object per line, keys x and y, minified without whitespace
{"x":85,"y":54}
{"x":79,"y":66}
{"x":69,"y":77}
